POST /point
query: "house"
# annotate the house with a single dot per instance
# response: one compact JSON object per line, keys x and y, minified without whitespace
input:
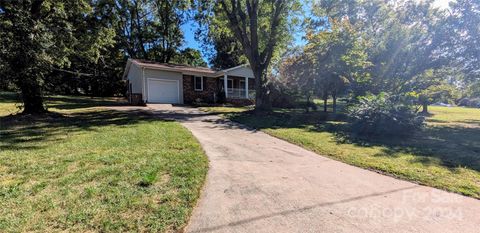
{"x":153,"y":82}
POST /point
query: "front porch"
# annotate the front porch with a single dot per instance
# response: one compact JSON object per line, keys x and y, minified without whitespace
{"x":237,"y":87}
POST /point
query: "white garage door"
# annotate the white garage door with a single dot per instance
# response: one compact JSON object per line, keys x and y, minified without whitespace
{"x":163,"y":91}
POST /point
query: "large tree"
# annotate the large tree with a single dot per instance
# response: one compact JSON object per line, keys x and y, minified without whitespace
{"x":220,"y":44}
{"x":189,"y":56}
{"x":150,"y":29}
{"x":260,"y":26}
{"x":297,"y":74}
{"x":463,"y":24}
{"x":38,"y":36}
{"x":339,"y":58}
{"x":406,"y":38}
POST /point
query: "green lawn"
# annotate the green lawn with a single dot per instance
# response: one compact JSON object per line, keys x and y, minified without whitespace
{"x":445,"y":155}
{"x":86,"y":168}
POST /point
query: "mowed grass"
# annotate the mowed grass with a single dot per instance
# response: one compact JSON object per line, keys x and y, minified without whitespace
{"x":446,"y":154}
{"x":85,"y":168}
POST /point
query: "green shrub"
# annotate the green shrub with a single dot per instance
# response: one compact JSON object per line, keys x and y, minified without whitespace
{"x":281,"y":96}
{"x":384,"y":115}
{"x":221,"y":98}
{"x":473,"y":102}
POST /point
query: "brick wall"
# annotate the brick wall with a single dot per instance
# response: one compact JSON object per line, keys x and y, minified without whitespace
{"x":209,"y":90}
{"x":136,"y":99}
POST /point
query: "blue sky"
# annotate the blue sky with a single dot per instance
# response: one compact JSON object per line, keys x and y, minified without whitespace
{"x":189,"y":32}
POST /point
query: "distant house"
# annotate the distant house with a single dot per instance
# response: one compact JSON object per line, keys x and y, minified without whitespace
{"x":152,"y":82}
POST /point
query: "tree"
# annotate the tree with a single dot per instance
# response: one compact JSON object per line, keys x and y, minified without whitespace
{"x":473,"y":90}
{"x":259,"y":26}
{"x":406,"y":38}
{"x":190,"y":57}
{"x":228,"y":52}
{"x":435,"y":93}
{"x":38,"y":37}
{"x":464,"y":37}
{"x":339,"y":58}
{"x":432,"y":86}
{"x":223,"y":49}
{"x":297,"y":74}
{"x":150,"y":29}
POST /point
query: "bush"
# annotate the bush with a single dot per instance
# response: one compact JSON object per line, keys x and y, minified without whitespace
{"x":383,"y":115}
{"x":280,"y":96}
{"x":466,"y":102}
{"x":221,"y":98}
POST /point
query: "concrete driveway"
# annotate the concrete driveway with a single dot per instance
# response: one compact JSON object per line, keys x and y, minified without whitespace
{"x":258,"y":183}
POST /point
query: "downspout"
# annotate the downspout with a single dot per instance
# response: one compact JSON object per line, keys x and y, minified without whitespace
{"x":143,"y":85}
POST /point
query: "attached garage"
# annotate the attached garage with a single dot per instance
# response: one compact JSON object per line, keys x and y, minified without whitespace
{"x":163,"y":91}
{"x":163,"y":87}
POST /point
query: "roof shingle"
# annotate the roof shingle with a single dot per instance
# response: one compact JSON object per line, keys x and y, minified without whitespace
{"x":174,"y":67}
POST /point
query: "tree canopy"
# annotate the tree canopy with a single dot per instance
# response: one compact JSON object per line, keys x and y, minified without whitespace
{"x":80,"y":47}
{"x":39,"y":36}
{"x":390,"y":46}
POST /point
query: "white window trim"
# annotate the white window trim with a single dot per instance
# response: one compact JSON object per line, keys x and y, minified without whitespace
{"x":229,"y":80}
{"x":195,"y":83}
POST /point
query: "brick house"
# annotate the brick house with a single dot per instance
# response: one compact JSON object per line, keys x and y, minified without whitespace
{"x":152,"y":82}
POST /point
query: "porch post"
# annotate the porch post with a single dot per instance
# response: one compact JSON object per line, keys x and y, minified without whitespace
{"x":225,"y":85}
{"x":246,"y":88}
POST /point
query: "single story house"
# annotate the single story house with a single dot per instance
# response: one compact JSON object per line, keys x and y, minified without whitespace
{"x":153,"y":82}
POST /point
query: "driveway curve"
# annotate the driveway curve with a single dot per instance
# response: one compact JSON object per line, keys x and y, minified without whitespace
{"x":258,"y":183}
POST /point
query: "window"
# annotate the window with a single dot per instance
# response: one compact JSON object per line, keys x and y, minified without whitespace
{"x":229,"y":83}
{"x":198,"y":83}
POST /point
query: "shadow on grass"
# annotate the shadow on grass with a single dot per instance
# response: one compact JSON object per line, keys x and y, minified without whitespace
{"x":31,"y":132}
{"x":471,"y":122}
{"x":75,"y":102}
{"x":68,"y":102}
{"x":9,"y":97}
{"x":450,"y":146}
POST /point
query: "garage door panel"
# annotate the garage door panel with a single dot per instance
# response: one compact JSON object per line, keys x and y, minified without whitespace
{"x":163,"y":91}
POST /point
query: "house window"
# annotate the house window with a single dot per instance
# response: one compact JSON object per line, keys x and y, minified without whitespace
{"x":229,"y":83}
{"x":198,"y":83}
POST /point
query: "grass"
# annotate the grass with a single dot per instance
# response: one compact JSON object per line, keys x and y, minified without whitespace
{"x":86,"y":168}
{"x":8,"y":103}
{"x":445,"y":155}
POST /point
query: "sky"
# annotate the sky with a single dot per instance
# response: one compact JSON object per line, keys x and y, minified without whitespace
{"x":442,"y":3}
{"x":190,"y":27}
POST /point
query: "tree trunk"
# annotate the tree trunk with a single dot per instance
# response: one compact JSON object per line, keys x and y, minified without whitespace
{"x":307,"y":106}
{"x":325,"y":104}
{"x":28,"y":82}
{"x":425,"y":108}
{"x":262,"y":101}
{"x":32,"y":97}
{"x":334,"y":96}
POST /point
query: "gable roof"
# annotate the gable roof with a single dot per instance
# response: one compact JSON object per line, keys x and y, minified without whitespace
{"x":184,"y":69}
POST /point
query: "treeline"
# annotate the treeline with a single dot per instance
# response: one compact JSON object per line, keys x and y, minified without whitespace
{"x":411,"y":50}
